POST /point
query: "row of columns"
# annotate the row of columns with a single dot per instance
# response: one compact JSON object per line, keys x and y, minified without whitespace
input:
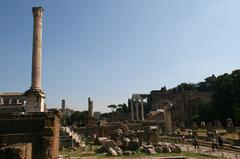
{"x":12,"y":100}
{"x":136,"y":103}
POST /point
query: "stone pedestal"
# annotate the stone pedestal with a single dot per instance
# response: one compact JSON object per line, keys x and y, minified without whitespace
{"x":34,"y":101}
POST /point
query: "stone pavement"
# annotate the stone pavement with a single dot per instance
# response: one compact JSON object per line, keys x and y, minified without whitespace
{"x":208,"y":151}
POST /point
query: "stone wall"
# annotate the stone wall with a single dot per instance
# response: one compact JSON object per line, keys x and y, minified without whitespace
{"x":16,"y":151}
{"x":41,"y":130}
{"x":184,"y":105}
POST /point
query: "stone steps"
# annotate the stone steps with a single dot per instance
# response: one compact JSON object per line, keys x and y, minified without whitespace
{"x":70,"y":139}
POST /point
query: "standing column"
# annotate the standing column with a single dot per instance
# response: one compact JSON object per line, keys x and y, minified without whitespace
{"x":168,"y":118}
{"x":90,"y":108}
{"x":35,"y":95}
{"x":137,"y":112}
{"x":132,"y":111}
{"x":37,"y":48}
{"x":142,"y":110}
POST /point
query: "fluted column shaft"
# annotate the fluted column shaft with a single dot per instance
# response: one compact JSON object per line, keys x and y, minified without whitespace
{"x":132,"y":110}
{"x":142,"y":110}
{"x":37,"y":48}
{"x":137,"y":111}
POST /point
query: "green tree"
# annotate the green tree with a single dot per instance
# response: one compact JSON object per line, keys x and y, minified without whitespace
{"x":76,"y":118}
{"x":112,"y":107}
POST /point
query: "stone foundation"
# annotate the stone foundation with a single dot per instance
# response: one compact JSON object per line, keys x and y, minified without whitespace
{"x":41,"y":130}
{"x":17,"y":151}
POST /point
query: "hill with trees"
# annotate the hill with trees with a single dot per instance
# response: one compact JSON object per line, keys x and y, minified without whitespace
{"x":225,"y":96}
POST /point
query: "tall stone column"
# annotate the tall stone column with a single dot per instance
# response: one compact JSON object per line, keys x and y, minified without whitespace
{"x":37,"y":48}
{"x":168,"y":118}
{"x":137,"y":111}
{"x":132,"y":111}
{"x":142,"y":110}
{"x":90,"y":108}
{"x":35,"y":95}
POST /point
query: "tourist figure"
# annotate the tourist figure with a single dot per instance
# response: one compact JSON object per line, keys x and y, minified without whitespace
{"x":220,"y":142}
{"x":214,"y":144}
{"x":195,"y":143}
{"x":183,"y":139}
{"x":90,"y":147}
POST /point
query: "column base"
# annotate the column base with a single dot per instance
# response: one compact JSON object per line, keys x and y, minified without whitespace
{"x":35,"y":100}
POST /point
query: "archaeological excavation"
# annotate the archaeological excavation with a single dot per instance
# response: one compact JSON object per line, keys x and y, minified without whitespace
{"x":97,"y":86}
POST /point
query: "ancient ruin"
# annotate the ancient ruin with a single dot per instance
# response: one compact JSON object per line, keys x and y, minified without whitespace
{"x":90,"y":108}
{"x":39,"y":130}
{"x":26,"y":129}
{"x":136,"y":101}
{"x":33,"y":99}
{"x":164,"y":123}
{"x":35,"y":95}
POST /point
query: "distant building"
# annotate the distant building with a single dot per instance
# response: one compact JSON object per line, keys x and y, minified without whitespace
{"x":184,"y":105}
{"x":11,"y":102}
{"x":179,"y":108}
{"x":64,"y":109}
{"x":63,"y":104}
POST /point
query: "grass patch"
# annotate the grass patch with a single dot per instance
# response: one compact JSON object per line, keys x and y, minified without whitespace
{"x":92,"y":155}
{"x":199,"y":156}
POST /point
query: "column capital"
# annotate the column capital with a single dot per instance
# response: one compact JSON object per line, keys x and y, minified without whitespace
{"x":37,"y":11}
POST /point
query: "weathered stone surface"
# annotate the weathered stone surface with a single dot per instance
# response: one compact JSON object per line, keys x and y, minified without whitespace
{"x":125,"y":143}
{"x":35,"y":96}
{"x":166,"y":149}
{"x":39,"y":129}
{"x":119,"y":151}
{"x":112,"y":152}
{"x":101,"y":140}
{"x":100,"y":150}
{"x":109,"y":143}
{"x":158,"y":149}
{"x":133,"y":145}
{"x":119,"y":143}
{"x":153,"y":138}
{"x":18,"y":151}
{"x":37,"y":48}
{"x":127,"y":153}
{"x":151,"y":151}
{"x":148,"y":147}
{"x":174,"y":148}
{"x":90,"y":108}
{"x":141,"y":148}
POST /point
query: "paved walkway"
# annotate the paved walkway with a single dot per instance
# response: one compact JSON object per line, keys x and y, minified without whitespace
{"x":208,"y":151}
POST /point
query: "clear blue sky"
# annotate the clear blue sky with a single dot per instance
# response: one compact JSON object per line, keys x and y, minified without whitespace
{"x":109,"y":49}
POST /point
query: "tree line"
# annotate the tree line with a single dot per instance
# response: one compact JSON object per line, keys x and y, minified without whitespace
{"x":225,"y":96}
{"x":225,"y":103}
